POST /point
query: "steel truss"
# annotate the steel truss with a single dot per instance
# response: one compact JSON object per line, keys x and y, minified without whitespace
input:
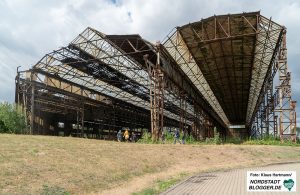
{"x":156,"y":81}
{"x":221,"y":54}
{"x":93,"y":68}
{"x":276,"y":115}
{"x":212,"y":73}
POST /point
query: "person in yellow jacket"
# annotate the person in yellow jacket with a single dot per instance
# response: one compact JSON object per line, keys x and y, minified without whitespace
{"x":126,"y":135}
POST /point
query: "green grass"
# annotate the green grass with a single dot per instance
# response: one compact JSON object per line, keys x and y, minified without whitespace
{"x":147,"y":191}
{"x":169,"y":139}
{"x":216,"y":140}
{"x":161,"y":186}
{"x":51,"y":190}
{"x":270,"y":141}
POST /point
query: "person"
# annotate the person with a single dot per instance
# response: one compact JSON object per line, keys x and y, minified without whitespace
{"x":119,"y":136}
{"x":133,"y":137}
{"x":176,"y":136}
{"x":126,"y":135}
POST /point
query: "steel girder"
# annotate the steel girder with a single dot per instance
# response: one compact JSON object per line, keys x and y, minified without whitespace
{"x":211,"y":47}
{"x":276,"y":109}
{"x":63,"y":98}
{"x":103,"y":49}
{"x":54,"y":64}
{"x":178,"y":50}
{"x":222,"y":48}
{"x":214,"y":72}
{"x":268,"y":37}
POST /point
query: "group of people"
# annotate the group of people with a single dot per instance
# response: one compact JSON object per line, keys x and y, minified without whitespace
{"x":126,"y":135}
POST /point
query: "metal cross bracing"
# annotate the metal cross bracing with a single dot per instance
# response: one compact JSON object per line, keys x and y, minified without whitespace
{"x":211,"y":73}
{"x":121,"y":79}
{"x":178,"y":82}
{"x":117,"y":52}
{"x":157,"y":88}
{"x":228,"y":59}
{"x":269,"y":34}
{"x":56,"y":64}
{"x":218,"y":53}
{"x":102,"y":48}
{"x":63,"y":99}
{"x":286,"y":107}
{"x":177,"y":48}
{"x":49,"y":79}
{"x":276,"y":109}
{"x":221,"y":49}
{"x":183,"y":103}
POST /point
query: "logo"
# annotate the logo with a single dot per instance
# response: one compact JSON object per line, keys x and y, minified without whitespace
{"x":271,"y":181}
{"x":289,"y":184}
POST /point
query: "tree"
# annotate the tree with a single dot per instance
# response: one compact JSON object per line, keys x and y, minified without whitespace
{"x":12,"y":119}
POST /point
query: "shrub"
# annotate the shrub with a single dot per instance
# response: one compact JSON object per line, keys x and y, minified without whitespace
{"x":12,"y":120}
{"x":169,"y":138}
{"x":190,"y":140}
{"x":146,"y":137}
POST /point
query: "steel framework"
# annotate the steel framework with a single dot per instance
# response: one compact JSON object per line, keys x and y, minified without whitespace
{"x":276,"y":115}
{"x":96,"y":74}
{"x":217,"y":72}
{"x":232,"y":60}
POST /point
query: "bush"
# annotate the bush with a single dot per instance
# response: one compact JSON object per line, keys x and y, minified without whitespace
{"x":190,"y":140}
{"x":169,"y":138}
{"x":12,"y":120}
{"x":146,"y":137}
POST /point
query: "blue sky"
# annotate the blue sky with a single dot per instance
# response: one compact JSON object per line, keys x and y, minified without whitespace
{"x":30,"y":29}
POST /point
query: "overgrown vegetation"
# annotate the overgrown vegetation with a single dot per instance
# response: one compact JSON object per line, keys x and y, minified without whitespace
{"x":12,"y":119}
{"x":189,"y":139}
{"x":269,"y":140}
{"x":216,"y":140}
{"x":169,"y":138}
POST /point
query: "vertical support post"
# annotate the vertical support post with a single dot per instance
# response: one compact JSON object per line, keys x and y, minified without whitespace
{"x":293,"y":120}
{"x":77,"y":123}
{"x":25,"y":106}
{"x":17,"y":94}
{"x":156,"y":82}
{"x":82,"y":121}
{"x":181,"y":112}
{"x":258,"y":130}
{"x":114,"y":119}
{"x":271,"y":119}
{"x":196,"y":129}
{"x":275,"y":125}
{"x":183,"y":107}
{"x":286,"y":109}
{"x":32,"y":110}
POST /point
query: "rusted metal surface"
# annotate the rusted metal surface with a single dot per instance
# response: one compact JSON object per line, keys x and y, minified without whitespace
{"x":212,"y":73}
{"x":276,"y":115}
{"x":231,"y":59}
